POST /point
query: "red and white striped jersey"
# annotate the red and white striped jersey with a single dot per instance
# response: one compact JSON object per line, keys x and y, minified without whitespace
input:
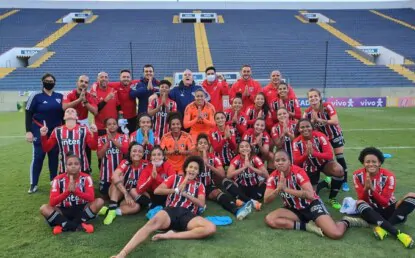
{"x":277,"y":131}
{"x":328,"y":110}
{"x":61,"y":196}
{"x":72,"y":140}
{"x":241,"y":124}
{"x":193,"y":187}
{"x":250,"y":137}
{"x":206,"y":177}
{"x":251,"y":113}
{"x":291,"y":104}
{"x":160,"y":123}
{"x":131,"y":173}
{"x":297,"y":178}
{"x":224,"y":148}
{"x":113,"y":155}
{"x":247,"y":177}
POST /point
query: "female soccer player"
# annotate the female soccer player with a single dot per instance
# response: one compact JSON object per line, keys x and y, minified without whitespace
{"x":324,"y":115}
{"x":123,"y":187}
{"x":214,"y":167}
{"x":375,"y":187}
{"x":159,"y":108}
{"x":185,"y":195}
{"x":199,"y":115}
{"x":286,"y":100}
{"x":111,"y":148}
{"x":70,"y":137}
{"x":260,"y":109}
{"x":247,"y":172}
{"x":154,"y":175}
{"x":144,"y":134}
{"x":177,"y":144}
{"x":72,"y":201}
{"x":301,"y":203}
{"x":259,"y":140}
{"x":236,"y":117}
{"x":313,"y":153}
{"x":43,"y":106}
{"x":223,"y":140}
{"x":282,"y":132}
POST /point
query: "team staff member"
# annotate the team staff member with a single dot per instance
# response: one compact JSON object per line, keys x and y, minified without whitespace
{"x":107,"y":102}
{"x":147,"y":86}
{"x":199,"y":115}
{"x":324,"y":115}
{"x":271,"y":90}
{"x":183,"y":94}
{"x":216,"y":86}
{"x":72,"y":200}
{"x":185,"y":195}
{"x":44,"y":106}
{"x":375,"y":187}
{"x":247,"y":86}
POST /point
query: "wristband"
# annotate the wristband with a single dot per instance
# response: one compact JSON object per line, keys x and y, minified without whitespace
{"x":176,"y":190}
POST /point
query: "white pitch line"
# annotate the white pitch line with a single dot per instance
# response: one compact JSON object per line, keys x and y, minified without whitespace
{"x":385,"y":147}
{"x":378,"y":129}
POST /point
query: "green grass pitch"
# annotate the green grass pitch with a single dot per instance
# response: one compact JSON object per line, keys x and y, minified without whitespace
{"x":25,"y":234}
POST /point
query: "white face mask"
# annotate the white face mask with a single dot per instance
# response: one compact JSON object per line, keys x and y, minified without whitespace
{"x":210,"y":77}
{"x":157,"y":163}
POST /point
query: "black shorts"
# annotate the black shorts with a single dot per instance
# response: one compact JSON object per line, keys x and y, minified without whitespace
{"x":73,"y":213}
{"x":104,"y":187}
{"x":255,"y":192}
{"x":179,"y":218}
{"x":387,"y":212}
{"x":312,"y":212}
{"x":315,"y":176}
{"x":157,"y":200}
{"x":337,"y":142}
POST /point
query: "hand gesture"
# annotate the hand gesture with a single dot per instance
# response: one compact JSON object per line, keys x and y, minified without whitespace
{"x":228,"y":134}
{"x":164,"y":99}
{"x":72,"y":185}
{"x":128,"y":199}
{"x":260,"y":114}
{"x":44,"y":129}
{"x":182,"y":186}
{"x":281,"y":183}
{"x":235,"y":117}
{"x":246,"y":91}
{"x":109,"y":135}
{"x":199,"y":113}
{"x":258,"y":139}
{"x":154,"y":172}
{"x":309,"y":148}
{"x":247,"y":164}
{"x":93,"y":128}
{"x":220,"y":76}
{"x":29,"y":137}
{"x":314,"y":116}
{"x":368,"y":183}
{"x":82,"y":96}
{"x":110,"y":96}
{"x":150,"y":84}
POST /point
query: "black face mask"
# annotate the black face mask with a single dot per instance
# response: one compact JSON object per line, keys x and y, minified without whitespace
{"x":48,"y":85}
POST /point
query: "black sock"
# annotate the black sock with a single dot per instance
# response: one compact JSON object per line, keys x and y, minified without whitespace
{"x":113,"y":205}
{"x":143,"y":200}
{"x":56,"y":219}
{"x":340,"y":159}
{"x":227,"y":203}
{"x":234,"y":190}
{"x":322,"y":184}
{"x":372,"y":217}
{"x":401,"y":213}
{"x":87,"y":214}
{"x":336,"y":183}
{"x":299,"y":225}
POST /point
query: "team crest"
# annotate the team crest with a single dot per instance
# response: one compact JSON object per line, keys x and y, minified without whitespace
{"x":58,"y":100}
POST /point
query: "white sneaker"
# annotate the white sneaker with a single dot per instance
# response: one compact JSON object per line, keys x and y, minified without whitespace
{"x":32,"y":189}
{"x":244,"y":211}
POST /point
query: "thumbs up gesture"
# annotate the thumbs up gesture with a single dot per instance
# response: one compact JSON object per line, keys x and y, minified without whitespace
{"x":44,"y":129}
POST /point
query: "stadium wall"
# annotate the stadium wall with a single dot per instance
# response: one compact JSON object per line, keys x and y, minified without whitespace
{"x":206,"y":5}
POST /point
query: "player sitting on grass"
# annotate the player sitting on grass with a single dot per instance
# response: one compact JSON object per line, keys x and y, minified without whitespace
{"x":376,"y":203}
{"x":185,"y":196}
{"x":72,"y":200}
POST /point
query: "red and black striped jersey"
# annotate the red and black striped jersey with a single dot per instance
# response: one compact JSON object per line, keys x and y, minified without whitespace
{"x":206,"y":177}
{"x":276,"y":132}
{"x":193,"y":188}
{"x":322,"y":152}
{"x":160,"y":123}
{"x":72,"y":140}
{"x":251,"y":113}
{"x":61,"y":196}
{"x":224,"y":148}
{"x":291,"y":104}
{"x":113,"y":155}
{"x":250,"y":137}
{"x":297,"y":178}
{"x":131,"y":173}
{"x":240,"y":125}
{"x":384,"y":184}
{"x":328,"y":110}
{"x":247,"y":177}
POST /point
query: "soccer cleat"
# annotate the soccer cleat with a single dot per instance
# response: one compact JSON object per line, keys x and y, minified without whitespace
{"x":335,"y":204}
{"x":32,"y":189}
{"x":244,"y":211}
{"x":57,"y":230}
{"x":406,"y":240}
{"x":356,"y":222}
{"x":313,"y":228}
{"x":110,"y":217}
{"x":239,"y":203}
{"x":103,"y":211}
{"x":345,"y":187}
{"x":88,"y":228}
{"x":380,"y":233}
{"x":257,"y":205}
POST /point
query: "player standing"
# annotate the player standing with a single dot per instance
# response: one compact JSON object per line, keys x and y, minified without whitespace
{"x":236,"y":117}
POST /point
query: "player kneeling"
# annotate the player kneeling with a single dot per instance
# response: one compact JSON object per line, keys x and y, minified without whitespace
{"x":185,"y":195}
{"x":376,"y":203}
{"x":301,"y":204}
{"x":72,"y":200}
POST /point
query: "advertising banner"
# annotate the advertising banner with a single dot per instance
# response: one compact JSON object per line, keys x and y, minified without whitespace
{"x":358,"y":102}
